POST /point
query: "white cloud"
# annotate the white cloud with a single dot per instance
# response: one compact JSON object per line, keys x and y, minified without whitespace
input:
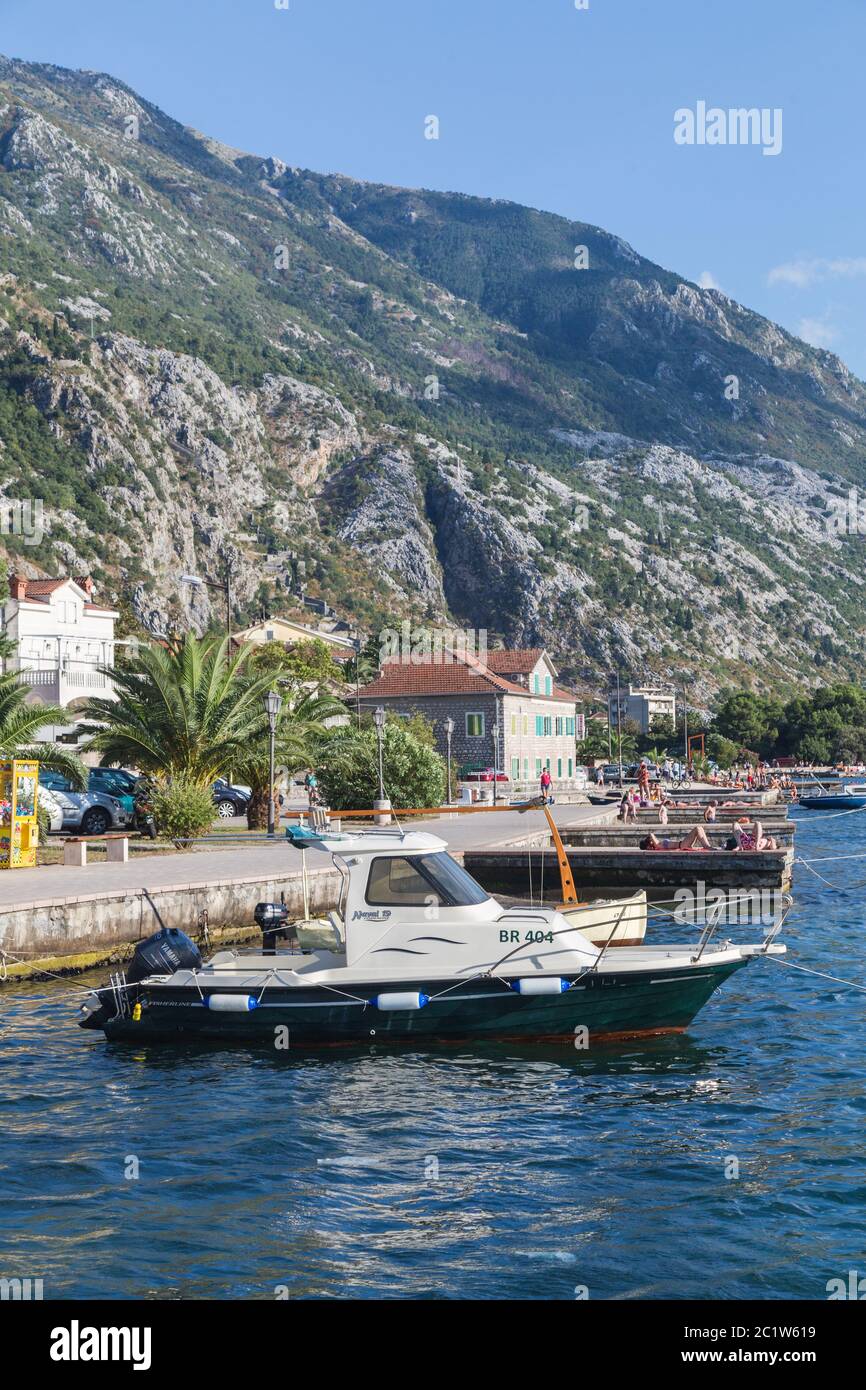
{"x":808,"y":271}
{"x":708,"y":281}
{"x":818,"y":332}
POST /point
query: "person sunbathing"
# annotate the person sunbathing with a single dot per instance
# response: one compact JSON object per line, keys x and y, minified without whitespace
{"x":695,"y":839}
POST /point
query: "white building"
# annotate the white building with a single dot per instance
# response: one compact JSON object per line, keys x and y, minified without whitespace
{"x":643,"y":704}
{"x":62,"y":637}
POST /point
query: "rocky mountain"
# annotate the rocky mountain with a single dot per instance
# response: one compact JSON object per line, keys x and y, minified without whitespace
{"x":447,"y":408}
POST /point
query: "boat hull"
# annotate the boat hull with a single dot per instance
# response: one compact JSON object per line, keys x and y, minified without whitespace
{"x":609,"y":1006}
{"x":833,"y":803}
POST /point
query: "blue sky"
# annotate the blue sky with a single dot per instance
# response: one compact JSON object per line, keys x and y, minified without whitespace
{"x":540,"y":102}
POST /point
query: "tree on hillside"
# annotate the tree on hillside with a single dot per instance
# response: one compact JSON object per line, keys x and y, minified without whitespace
{"x":749,"y":719}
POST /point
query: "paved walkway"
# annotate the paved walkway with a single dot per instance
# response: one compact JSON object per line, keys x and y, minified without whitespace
{"x":59,"y":883}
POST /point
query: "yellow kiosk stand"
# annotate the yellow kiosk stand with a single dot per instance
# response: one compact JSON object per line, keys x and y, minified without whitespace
{"x":19,"y":828}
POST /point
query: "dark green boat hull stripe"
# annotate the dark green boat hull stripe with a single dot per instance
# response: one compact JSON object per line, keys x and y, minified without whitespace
{"x":626,"y":1003}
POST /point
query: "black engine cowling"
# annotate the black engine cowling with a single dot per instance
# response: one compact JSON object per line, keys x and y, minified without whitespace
{"x":163,"y":953}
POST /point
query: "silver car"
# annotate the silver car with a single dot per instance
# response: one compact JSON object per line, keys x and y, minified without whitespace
{"x":91,"y":813}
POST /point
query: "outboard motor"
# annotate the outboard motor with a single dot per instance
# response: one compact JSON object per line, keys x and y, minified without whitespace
{"x":272,"y":920}
{"x":163,"y":953}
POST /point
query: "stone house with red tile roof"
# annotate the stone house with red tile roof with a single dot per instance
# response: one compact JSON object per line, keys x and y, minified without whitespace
{"x":509,"y":710}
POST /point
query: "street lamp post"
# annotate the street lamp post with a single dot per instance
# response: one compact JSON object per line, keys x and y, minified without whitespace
{"x":224,"y":585}
{"x":273,"y":704}
{"x":383,"y":804}
{"x":449,"y":733}
{"x":495,"y":732}
{"x":379,"y":721}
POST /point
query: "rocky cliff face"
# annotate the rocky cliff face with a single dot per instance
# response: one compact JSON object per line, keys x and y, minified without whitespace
{"x":210,"y":356}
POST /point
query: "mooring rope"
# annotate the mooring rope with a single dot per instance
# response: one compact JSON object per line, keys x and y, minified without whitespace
{"x":821,"y":974}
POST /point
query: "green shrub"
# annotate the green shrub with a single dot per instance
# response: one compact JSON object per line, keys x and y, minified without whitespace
{"x":183,"y":810}
{"x":413,"y":772}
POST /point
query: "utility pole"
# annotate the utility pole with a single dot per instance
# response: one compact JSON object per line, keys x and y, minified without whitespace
{"x":686,"y":723}
{"x":619,"y":728}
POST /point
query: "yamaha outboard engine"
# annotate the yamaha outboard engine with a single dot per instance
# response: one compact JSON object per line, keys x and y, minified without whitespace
{"x":272,"y":920}
{"x":162,"y":954}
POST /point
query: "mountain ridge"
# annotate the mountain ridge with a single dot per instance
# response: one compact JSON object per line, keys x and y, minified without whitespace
{"x":416,"y":392}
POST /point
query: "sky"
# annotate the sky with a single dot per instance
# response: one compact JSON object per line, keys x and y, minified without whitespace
{"x":566,"y":105}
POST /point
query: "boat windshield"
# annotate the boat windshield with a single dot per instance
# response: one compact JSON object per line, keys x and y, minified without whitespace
{"x":397,"y":880}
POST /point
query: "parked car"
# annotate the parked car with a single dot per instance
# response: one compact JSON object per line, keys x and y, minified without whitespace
{"x":91,"y":813}
{"x":48,"y":802}
{"x":230,"y":801}
{"x":482,"y":774}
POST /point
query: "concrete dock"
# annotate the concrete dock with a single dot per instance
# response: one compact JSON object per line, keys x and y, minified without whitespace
{"x":660,"y":872}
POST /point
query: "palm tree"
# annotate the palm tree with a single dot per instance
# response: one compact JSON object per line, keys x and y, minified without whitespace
{"x":300,"y":730}
{"x":20,"y":722}
{"x":187,"y":709}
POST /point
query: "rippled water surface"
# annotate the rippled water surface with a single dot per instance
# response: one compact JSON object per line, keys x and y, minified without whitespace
{"x":493,"y":1172}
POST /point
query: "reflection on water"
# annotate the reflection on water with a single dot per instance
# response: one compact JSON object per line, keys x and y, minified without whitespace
{"x":501,"y":1171}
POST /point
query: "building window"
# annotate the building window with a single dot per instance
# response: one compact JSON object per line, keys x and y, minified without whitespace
{"x":538,"y":767}
{"x":547,"y":685}
{"x":570,"y":768}
{"x":514,"y":724}
{"x":475,"y":726}
{"x":536,"y":684}
{"x":548,"y":725}
{"x":526,"y":723}
{"x":515,"y":769}
{"x":558,"y":727}
{"x":559,"y":767}
{"x":526,"y":769}
{"x":569,"y":726}
{"x":539,"y":725}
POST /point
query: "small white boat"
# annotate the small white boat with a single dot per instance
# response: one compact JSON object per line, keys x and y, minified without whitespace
{"x":419,"y":953}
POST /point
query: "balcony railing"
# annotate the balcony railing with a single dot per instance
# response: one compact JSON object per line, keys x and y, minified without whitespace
{"x":67,"y":678}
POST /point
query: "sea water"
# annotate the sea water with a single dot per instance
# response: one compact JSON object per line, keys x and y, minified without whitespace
{"x":724,"y":1163}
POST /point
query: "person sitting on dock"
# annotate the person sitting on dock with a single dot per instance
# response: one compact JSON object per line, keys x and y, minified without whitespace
{"x":695,"y":839}
{"x":755,"y":839}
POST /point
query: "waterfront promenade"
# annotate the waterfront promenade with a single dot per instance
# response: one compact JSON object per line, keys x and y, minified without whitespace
{"x":75,"y":916}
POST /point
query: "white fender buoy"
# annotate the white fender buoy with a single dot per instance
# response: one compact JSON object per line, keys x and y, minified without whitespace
{"x":230,"y":1003}
{"x":409,"y":1000}
{"x":545,"y":984}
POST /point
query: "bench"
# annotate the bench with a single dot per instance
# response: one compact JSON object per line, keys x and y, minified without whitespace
{"x":75,"y":848}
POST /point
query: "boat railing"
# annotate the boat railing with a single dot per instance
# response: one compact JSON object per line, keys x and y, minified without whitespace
{"x":708,"y":932}
{"x":777,"y":925}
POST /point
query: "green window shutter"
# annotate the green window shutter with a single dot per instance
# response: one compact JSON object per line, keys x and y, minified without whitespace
{"x":515,"y":769}
{"x":570,"y":768}
{"x":569,"y":726}
{"x":559,"y":767}
{"x":547,"y":685}
{"x":537,"y":684}
{"x":539,"y":725}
